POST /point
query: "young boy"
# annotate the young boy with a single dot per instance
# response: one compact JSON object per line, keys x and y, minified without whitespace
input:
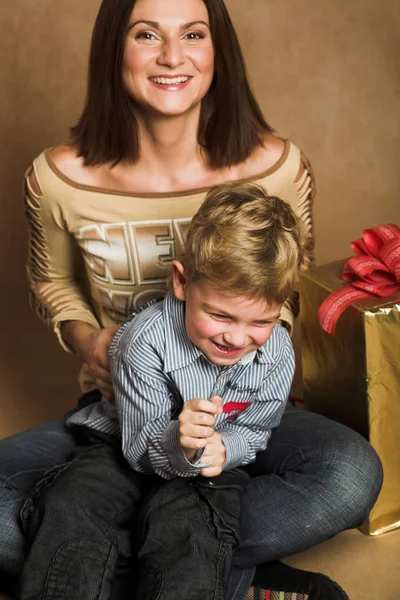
{"x":200,"y":379}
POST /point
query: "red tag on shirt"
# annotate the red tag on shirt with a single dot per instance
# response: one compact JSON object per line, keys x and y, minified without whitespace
{"x":235,"y":408}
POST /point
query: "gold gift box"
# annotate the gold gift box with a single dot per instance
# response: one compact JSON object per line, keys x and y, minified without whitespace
{"x":353,"y":377}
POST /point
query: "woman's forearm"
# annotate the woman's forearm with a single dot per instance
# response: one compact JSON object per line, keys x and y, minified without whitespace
{"x":77,"y":334}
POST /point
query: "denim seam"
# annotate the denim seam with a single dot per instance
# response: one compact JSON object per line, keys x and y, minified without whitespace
{"x":205,"y":509}
{"x":159,"y":597}
{"x":112,"y":523}
{"x":6,"y":481}
{"x":282,"y":468}
{"x":238,"y":587}
{"x":223,"y":551}
{"x":226,"y":527}
{"x":112,"y":549}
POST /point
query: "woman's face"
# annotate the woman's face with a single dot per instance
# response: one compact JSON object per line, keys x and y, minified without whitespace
{"x":168,"y":62}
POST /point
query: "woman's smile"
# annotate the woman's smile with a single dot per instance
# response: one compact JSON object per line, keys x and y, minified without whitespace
{"x":168,"y":48}
{"x":171,"y":84}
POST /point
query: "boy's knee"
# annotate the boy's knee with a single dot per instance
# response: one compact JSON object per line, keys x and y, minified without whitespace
{"x":12,"y":541}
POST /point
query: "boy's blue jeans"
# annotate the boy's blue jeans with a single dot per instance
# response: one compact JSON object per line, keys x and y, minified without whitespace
{"x":315,"y":479}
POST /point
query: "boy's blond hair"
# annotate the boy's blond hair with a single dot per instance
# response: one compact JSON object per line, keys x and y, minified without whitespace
{"x":245,"y":242}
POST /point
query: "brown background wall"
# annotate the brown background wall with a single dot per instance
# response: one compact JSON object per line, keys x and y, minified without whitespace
{"x":327,"y":76}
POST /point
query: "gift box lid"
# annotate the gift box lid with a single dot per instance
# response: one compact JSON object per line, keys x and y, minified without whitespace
{"x":328,"y":276}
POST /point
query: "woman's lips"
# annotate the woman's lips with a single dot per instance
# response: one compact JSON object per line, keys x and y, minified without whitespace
{"x":170,"y":84}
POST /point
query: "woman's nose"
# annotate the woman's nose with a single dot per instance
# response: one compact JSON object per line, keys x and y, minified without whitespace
{"x":172,"y":53}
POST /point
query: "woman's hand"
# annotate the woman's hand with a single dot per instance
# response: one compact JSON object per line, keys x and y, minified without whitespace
{"x":196,"y":423}
{"x":92,"y":345}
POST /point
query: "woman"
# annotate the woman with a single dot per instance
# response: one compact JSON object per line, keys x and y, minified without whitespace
{"x":169,"y":113}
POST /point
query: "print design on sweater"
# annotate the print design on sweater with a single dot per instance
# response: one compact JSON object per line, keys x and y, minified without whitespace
{"x":129,"y":254}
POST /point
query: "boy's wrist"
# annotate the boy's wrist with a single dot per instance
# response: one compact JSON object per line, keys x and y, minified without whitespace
{"x":175,"y":452}
{"x":193,"y":455}
{"x":190,"y":453}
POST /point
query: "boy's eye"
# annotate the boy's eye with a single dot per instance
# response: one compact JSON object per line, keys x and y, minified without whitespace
{"x":264,"y":323}
{"x":217,"y":316}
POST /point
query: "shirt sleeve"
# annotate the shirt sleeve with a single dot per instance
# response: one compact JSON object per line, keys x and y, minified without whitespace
{"x":250,"y":432}
{"x":305,"y":190}
{"x":150,"y":439}
{"x":55,"y":265}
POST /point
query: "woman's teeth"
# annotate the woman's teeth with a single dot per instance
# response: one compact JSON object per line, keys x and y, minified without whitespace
{"x":169,"y":80}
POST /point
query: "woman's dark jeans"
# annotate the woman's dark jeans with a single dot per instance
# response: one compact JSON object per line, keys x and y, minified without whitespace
{"x":316,"y":478}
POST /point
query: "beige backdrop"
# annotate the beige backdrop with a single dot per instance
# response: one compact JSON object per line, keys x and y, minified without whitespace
{"x":327,"y":76}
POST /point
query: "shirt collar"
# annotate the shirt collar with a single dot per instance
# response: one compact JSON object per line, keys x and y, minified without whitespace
{"x":267,"y":352}
{"x":179,"y":349}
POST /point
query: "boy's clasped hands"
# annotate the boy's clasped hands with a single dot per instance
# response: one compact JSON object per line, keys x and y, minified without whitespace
{"x":196,"y":422}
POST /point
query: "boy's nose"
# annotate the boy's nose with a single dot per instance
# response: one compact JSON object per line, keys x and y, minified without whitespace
{"x":238,"y":338}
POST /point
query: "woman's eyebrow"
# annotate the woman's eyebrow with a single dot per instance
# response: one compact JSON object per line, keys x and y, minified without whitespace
{"x":192,"y":23}
{"x":156,"y":25}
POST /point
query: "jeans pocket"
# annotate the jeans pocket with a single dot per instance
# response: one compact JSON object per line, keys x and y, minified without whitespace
{"x":81,"y":560}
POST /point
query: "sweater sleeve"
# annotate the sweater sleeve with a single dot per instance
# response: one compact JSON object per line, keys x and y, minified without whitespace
{"x":55,"y":266}
{"x":305,"y":192}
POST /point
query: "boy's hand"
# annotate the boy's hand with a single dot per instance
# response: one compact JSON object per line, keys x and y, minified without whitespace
{"x":214,"y":453}
{"x":196,"y":423}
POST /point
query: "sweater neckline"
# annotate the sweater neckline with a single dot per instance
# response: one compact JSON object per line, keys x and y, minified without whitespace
{"x":191,"y":192}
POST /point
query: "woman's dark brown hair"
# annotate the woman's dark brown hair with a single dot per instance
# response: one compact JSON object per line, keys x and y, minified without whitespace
{"x":231,"y":122}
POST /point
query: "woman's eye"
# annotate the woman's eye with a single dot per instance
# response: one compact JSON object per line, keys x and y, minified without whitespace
{"x":195,"y":35}
{"x":145,"y":35}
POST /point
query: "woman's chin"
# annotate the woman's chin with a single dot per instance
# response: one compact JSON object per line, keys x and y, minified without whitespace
{"x":170,"y":110}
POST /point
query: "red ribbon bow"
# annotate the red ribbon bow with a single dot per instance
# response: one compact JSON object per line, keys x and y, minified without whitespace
{"x":375,"y":271}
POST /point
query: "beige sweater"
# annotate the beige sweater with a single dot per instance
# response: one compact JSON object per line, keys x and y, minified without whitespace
{"x":95,"y":254}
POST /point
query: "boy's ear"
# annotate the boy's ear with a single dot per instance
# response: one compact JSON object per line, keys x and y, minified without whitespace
{"x":179,"y":280}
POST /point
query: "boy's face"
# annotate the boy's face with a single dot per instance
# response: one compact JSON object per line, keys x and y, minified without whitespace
{"x":225,"y":327}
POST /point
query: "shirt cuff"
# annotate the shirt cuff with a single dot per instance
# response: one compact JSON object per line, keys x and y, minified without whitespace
{"x":236,"y":449}
{"x":175,"y":453}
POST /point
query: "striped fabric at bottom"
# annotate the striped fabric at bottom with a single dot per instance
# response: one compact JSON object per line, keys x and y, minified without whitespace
{"x":259,"y":594}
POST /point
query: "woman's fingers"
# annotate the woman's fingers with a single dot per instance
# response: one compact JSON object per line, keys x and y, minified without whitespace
{"x":99,"y":372}
{"x":102,"y":379}
{"x":101,"y":341}
{"x":105,"y":388}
